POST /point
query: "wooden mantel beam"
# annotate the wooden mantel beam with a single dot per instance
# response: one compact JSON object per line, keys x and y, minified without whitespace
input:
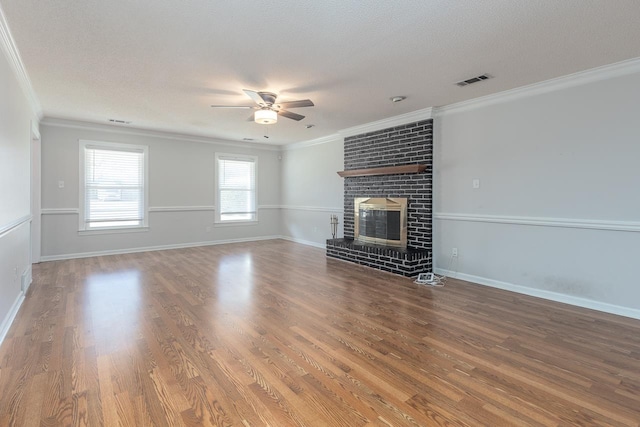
{"x":386,"y":170}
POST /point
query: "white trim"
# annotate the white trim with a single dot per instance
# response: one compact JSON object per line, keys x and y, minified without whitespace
{"x":241,"y":223}
{"x":312,"y":208}
{"x":304,"y":242}
{"x":617,"y":69}
{"x":83,"y":146}
{"x":154,"y":248}
{"x":106,"y":127}
{"x":181,"y":208}
{"x":412,"y":117}
{"x":11,"y":315}
{"x":113,"y":230}
{"x":35,"y":131}
{"x":35,"y":199}
{"x":28,"y":274}
{"x":241,"y":158}
{"x":76,"y":211}
{"x":7,"y":228}
{"x":592,"y":224}
{"x":311,"y":142}
{"x":59,"y":211}
{"x":8,"y":46}
{"x":548,"y":295}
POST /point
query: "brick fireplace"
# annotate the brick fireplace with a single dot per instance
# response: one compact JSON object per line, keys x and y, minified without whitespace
{"x":409,"y":144}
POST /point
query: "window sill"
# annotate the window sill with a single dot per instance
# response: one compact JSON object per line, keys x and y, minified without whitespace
{"x":113,"y":231}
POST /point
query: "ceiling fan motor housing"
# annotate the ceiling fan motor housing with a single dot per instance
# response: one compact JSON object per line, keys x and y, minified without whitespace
{"x":269,"y":98}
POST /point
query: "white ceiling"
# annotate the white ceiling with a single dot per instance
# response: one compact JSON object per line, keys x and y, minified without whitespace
{"x":161,"y":63}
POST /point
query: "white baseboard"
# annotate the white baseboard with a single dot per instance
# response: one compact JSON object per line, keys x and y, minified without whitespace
{"x":541,"y":293}
{"x":304,"y":242}
{"x":60,"y":257}
{"x":26,"y":279}
{"x":11,"y":315}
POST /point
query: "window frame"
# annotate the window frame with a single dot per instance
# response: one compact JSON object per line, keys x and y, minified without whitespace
{"x":113,"y":146}
{"x":218,"y":222}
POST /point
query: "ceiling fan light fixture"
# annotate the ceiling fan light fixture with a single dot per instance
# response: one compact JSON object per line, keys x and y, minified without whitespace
{"x":265,"y":117}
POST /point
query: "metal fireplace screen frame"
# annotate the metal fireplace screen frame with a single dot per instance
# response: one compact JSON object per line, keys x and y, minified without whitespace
{"x":381,"y":221}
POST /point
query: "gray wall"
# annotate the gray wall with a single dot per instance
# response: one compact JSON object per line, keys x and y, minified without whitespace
{"x":557,"y":212}
{"x":312,"y":191}
{"x":181,"y":192}
{"x":15,"y":190}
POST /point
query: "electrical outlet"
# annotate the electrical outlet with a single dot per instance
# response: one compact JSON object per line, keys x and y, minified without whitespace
{"x":454,"y":252}
{"x":475,"y":183}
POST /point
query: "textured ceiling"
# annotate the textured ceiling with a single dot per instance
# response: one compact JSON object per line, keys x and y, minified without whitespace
{"x":161,"y":63}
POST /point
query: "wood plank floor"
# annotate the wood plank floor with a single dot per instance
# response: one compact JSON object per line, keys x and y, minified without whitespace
{"x":273,"y":333}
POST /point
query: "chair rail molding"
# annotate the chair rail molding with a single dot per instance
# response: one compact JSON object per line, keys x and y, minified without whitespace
{"x":592,"y":224}
{"x":303,"y":208}
{"x":181,"y":208}
{"x":7,"y":228}
{"x":59,"y":211}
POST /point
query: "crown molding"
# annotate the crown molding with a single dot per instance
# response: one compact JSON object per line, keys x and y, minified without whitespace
{"x":618,"y":69}
{"x":105,"y":127}
{"x":10,"y":49}
{"x":414,"y":116}
{"x":402,"y":119}
{"x":311,"y":142}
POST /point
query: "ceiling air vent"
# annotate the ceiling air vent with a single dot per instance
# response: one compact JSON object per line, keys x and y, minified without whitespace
{"x":120,"y":122}
{"x":473,"y":80}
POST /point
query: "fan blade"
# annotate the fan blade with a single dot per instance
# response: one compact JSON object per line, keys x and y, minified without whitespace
{"x":251,"y":118}
{"x":296,"y":104}
{"x":232,"y":106}
{"x":256,"y":96}
{"x":290,"y":115}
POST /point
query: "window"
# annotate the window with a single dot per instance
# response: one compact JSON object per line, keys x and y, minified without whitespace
{"x":236,"y":187}
{"x":113,"y":186}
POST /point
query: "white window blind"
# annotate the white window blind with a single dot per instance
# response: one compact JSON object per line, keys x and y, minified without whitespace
{"x":236,"y":189}
{"x":114,"y":187}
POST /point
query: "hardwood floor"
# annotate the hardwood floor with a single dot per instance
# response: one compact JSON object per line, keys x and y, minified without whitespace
{"x":273,"y":333}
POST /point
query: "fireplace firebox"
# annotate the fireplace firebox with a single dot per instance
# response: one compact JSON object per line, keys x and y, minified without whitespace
{"x":381,"y":221}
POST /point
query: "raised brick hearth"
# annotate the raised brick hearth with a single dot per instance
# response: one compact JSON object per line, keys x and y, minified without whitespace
{"x":407,"y":262}
{"x":401,"y":145}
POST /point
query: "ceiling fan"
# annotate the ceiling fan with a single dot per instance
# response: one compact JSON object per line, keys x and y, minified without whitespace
{"x":268,"y":110}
